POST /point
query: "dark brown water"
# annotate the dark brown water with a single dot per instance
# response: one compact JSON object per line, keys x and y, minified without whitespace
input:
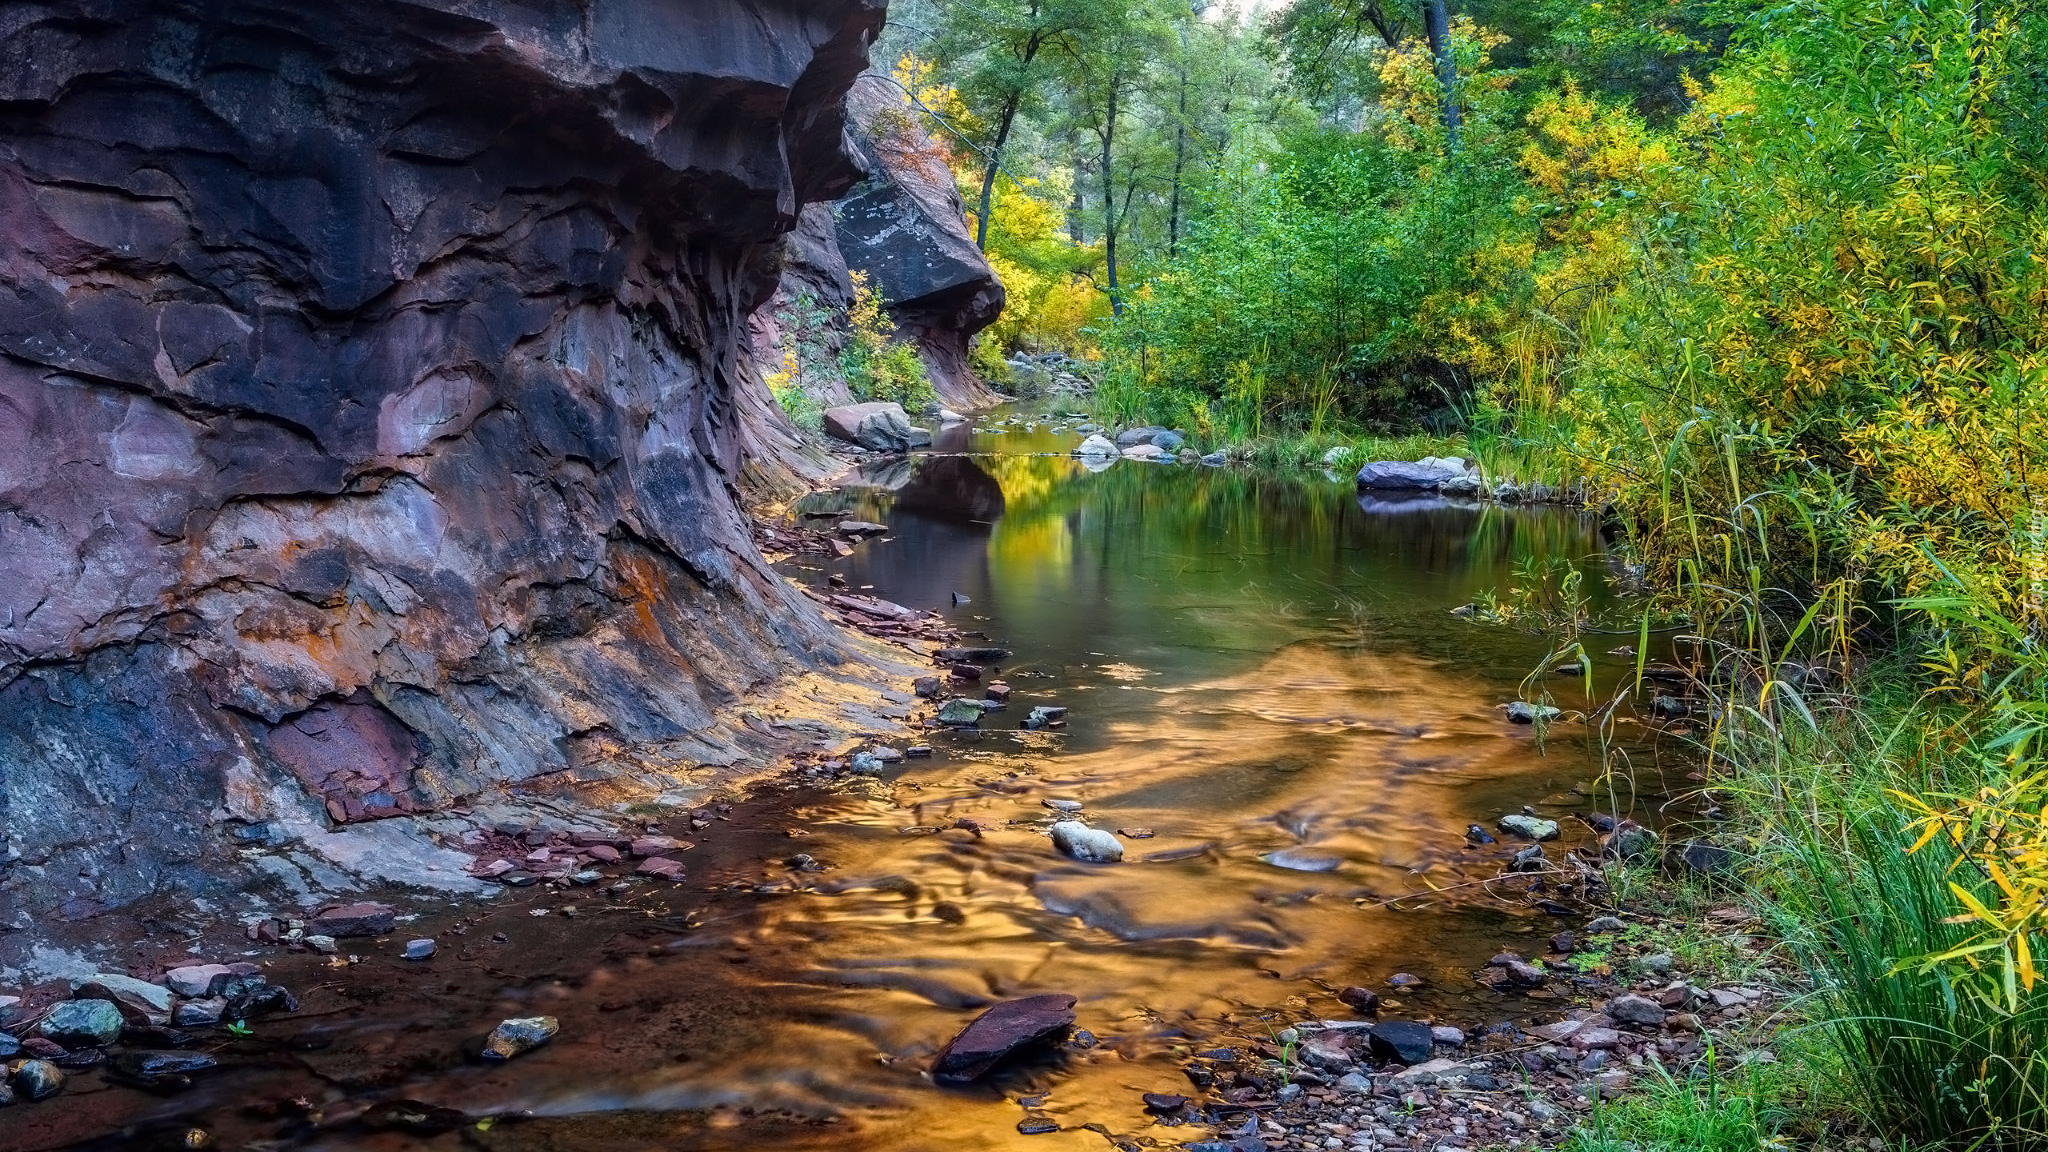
{"x":1255,"y":665}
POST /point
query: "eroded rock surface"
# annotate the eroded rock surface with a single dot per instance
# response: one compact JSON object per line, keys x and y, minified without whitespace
{"x":373,"y":385}
{"x":904,"y":226}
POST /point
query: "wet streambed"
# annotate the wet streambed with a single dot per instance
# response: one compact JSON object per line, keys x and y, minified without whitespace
{"x":1254,"y":665}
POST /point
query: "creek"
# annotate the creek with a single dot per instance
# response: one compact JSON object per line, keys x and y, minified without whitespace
{"x":1254,"y":665}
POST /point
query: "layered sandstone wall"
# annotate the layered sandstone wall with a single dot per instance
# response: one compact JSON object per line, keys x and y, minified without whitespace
{"x":374,"y":385}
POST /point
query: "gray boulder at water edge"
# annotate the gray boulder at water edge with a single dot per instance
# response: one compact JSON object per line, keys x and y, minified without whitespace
{"x":879,"y":426}
{"x":1425,"y":475}
{"x":1091,"y":845}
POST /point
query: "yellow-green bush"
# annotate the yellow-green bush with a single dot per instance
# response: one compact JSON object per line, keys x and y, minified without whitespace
{"x":1829,"y":359}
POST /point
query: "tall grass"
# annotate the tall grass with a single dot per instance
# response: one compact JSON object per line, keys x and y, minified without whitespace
{"x":1929,"y":1051}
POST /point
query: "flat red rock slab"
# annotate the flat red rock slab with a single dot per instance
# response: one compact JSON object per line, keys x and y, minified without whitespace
{"x":1001,"y":1032}
{"x":342,"y":920}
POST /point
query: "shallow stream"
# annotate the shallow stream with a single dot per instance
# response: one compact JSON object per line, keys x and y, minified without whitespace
{"x":1255,"y":665}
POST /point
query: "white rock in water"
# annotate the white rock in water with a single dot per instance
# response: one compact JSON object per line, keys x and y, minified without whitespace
{"x":1144,"y":452}
{"x":1304,"y":860}
{"x":1098,"y":445}
{"x":1084,"y":843}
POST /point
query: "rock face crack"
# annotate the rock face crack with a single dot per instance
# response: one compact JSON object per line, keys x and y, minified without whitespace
{"x":373,"y":385}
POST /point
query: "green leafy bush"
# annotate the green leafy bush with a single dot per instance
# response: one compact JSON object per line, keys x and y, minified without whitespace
{"x":878,"y":366}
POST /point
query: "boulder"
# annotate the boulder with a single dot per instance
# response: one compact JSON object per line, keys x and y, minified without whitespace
{"x":1130,"y":437}
{"x":199,"y":979}
{"x":1529,"y":827}
{"x":1099,"y":448}
{"x":1150,"y":453}
{"x":1091,"y":845}
{"x":82,"y":1024}
{"x":1004,"y":1031}
{"x":140,"y":1001}
{"x":961,"y":713}
{"x":1403,"y":1041}
{"x":877,"y":425}
{"x":1402,"y":475}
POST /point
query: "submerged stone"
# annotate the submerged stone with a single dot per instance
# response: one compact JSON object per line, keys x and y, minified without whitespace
{"x":519,"y":1035}
{"x":1529,"y":827}
{"x":1523,"y":712}
{"x":1004,"y":1031}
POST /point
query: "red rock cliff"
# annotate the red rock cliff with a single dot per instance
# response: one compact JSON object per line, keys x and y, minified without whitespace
{"x":368,"y":426}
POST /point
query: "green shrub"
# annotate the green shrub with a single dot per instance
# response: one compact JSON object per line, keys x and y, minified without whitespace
{"x":877,"y":365}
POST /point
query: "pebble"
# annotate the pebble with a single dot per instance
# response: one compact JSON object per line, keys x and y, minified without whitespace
{"x":37,"y":1079}
{"x":1364,"y":1001}
{"x":1639,"y":1010}
{"x":519,"y":1035}
{"x":199,"y":1012}
{"x":421,"y":949}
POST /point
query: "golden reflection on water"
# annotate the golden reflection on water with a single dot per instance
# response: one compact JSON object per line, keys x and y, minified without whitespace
{"x":1254,"y":668}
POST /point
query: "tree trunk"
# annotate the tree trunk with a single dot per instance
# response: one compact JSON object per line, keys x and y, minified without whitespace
{"x":1436,"y":17}
{"x":995,"y":154}
{"x":995,"y":161}
{"x":1116,"y":302}
{"x":1180,"y":151}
